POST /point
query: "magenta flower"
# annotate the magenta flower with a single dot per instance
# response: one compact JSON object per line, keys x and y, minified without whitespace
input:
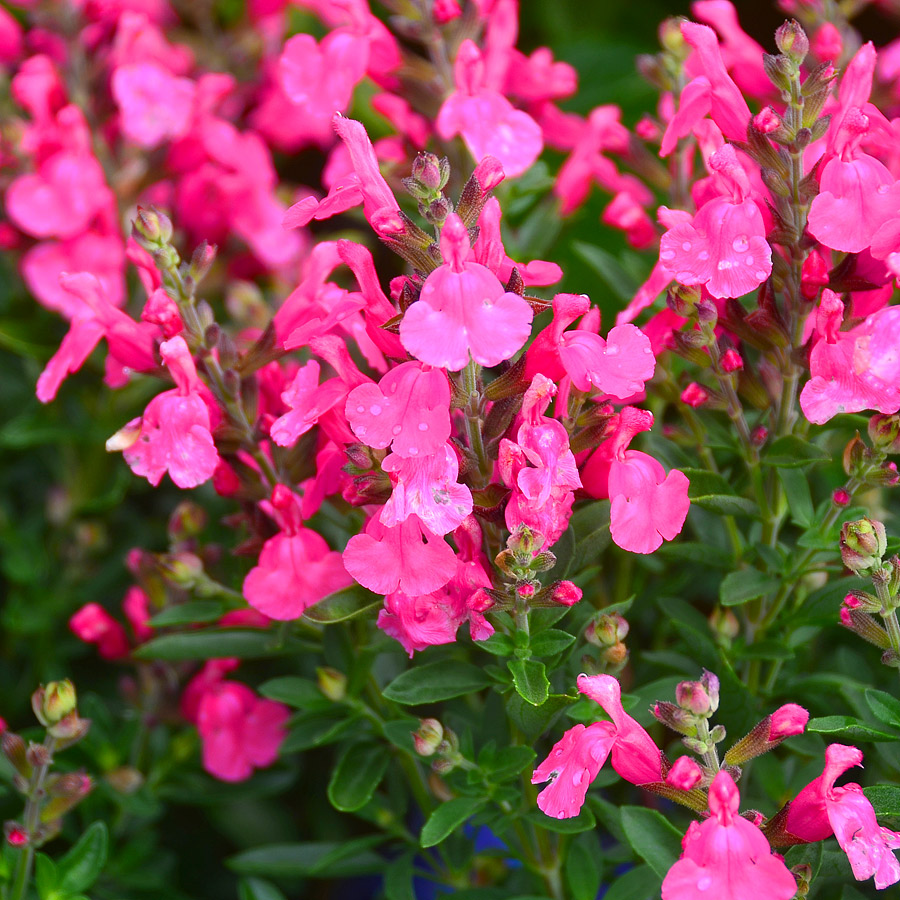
{"x":239,"y":731}
{"x":724,"y":246}
{"x":726,"y":856}
{"x":408,"y":410}
{"x":174,"y":433}
{"x":154,"y":105}
{"x":579,"y":756}
{"x":489,"y":123}
{"x":464,"y":311}
{"x":94,"y":625}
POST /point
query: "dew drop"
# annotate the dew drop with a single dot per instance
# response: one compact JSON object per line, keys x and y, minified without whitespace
{"x":577,"y":778}
{"x":648,"y":349}
{"x":360,"y":409}
{"x":423,"y":426}
{"x":667,"y":254}
{"x":683,"y":277}
{"x":413,"y":451}
{"x":686,"y":245}
{"x":361,"y":431}
{"x":393,"y":388}
{"x":883,"y":189}
{"x":612,"y":350}
{"x":749,"y":260}
{"x":703,"y":883}
{"x":740,"y":243}
{"x":397,"y":429}
{"x":725,"y":264}
{"x":375,"y":409}
{"x":761,"y":275}
{"x":703,"y":254}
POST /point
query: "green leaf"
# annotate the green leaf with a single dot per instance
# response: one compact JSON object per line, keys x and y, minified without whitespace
{"x":848,"y":727}
{"x":551,"y":642}
{"x":82,"y":865}
{"x":711,"y":491}
{"x":46,"y":877}
{"x":534,"y":720}
{"x":342,"y":605}
{"x":653,"y":837}
{"x":257,"y":889}
{"x":799,"y":498}
{"x":318,"y":729}
{"x":189,"y":613}
{"x":436,"y":681}
{"x":745,"y":585}
{"x":885,"y":799}
{"x":640,"y":883}
{"x":582,"y":872}
{"x":398,"y":879}
{"x":885,"y":707}
{"x":498,"y":644}
{"x":448,"y":817}
{"x":301,"y":693}
{"x":358,"y":772}
{"x":806,"y":854}
{"x":213,"y":643}
{"x":790,"y":452}
{"x":319,"y":859}
{"x":608,"y":268}
{"x":505,"y":762}
{"x":530,"y":680}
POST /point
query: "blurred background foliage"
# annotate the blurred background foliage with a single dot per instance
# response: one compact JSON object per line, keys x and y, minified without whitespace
{"x":69,"y":513}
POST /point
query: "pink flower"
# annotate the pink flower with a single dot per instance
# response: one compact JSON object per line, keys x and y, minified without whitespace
{"x":685,"y":774}
{"x":582,"y":752}
{"x":821,"y":809}
{"x":724,"y":247}
{"x":94,"y":625}
{"x":427,"y":488}
{"x":406,"y":557}
{"x":239,"y":730}
{"x":408,"y":410}
{"x":136,"y":606}
{"x":489,"y":123}
{"x":307,"y":400}
{"x":154,"y":105}
{"x":853,"y":370}
{"x":727,"y":856}
{"x":464,"y":311}
{"x":174,"y":433}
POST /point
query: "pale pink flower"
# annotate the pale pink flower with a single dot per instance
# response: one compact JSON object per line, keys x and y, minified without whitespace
{"x":489,"y":123}
{"x":463,"y":311}
{"x":853,"y":370}
{"x":727,"y":856}
{"x":724,"y":247}
{"x":154,"y":105}
{"x":94,"y":625}
{"x":239,"y":731}
{"x":174,"y":433}
{"x":821,"y":809}
{"x":408,"y":410}
{"x":406,"y":557}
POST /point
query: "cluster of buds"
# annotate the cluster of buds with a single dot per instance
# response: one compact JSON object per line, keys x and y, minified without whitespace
{"x":48,"y":795}
{"x":608,"y":632}
{"x":863,"y":547}
{"x":432,"y":740}
{"x":696,"y":702}
{"x":869,"y":465}
{"x":427,"y":182}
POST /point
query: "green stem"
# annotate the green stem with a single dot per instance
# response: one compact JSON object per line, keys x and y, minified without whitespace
{"x":711,"y":757}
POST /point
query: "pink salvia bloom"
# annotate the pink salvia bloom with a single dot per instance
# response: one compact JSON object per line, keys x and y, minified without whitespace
{"x":307,"y":400}
{"x":408,"y":410}
{"x":854,"y":370}
{"x":463,"y":311}
{"x":821,"y":809}
{"x":726,"y":856}
{"x":489,"y":123}
{"x":154,"y":105}
{"x":406,"y":557}
{"x":94,"y":625}
{"x":724,"y":247}
{"x":295,"y":570}
{"x":427,"y":488}
{"x":635,"y":756}
{"x":685,"y":774}
{"x":417,"y":622}
{"x":572,"y":765}
{"x":239,"y":730}
{"x":786,"y":721}
{"x":136,"y":606}
{"x":174,"y":433}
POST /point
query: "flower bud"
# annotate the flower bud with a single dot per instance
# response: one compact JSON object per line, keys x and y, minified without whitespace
{"x":674,"y":717}
{"x":187,"y":521}
{"x":791,"y":40}
{"x":694,"y":395}
{"x":430,"y":172}
{"x":69,"y":730}
{"x":767,"y":120}
{"x":54,"y":702}
{"x":787,"y":721}
{"x":865,"y":626}
{"x":670,"y":36}
{"x":607,"y":630}
{"x":203,"y":257}
{"x":332,"y":683}
{"x":615,"y":657}
{"x":13,"y":748}
{"x":724,"y":624}
{"x":759,"y":436}
{"x":566,"y":593}
{"x":813,"y":275}
{"x":16,"y":835}
{"x":428,"y":737}
{"x":884,"y":432}
{"x":124,"y":437}
{"x":524,"y":543}
{"x":182,"y":569}
{"x":683,"y":300}
{"x":685,"y":774}
{"x":38,"y":755}
{"x":151,"y":228}
{"x":863,"y":544}
{"x":437,"y":211}
{"x":841,"y":497}
{"x":692,"y":697}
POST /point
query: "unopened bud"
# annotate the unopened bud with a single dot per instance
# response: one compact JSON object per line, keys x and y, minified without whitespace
{"x":670,"y":36}
{"x":674,"y":717}
{"x":685,"y":774}
{"x":791,"y":40}
{"x":855,"y":455}
{"x":16,"y":835}
{"x":884,"y":432}
{"x":607,"y":630}
{"x":152,"y":229}
{"x":54,"y":702}
{"x":182,"y":569}
{"x":841,"y":497}
{"x":125,"y":780}
{"x":886,"y":475}
{"x":124,"y":437}
{"x":431,"y":172}
{"x":813,"y":275}
{"x":732,"y":361}
{"x":707,"y":313}
{"x":692,"y":697}
{"x":865,"y":626}
{"x":69,"y":730}
{"x":615,"y":657}
{"x":524,"y":543}
{"x":543,"y":562}
{"x":38,"y":755}
{"x":695,"y":395}
{"x":428,"y":737}
{"x":803,"y":874}
{"x":863,"y":544}
{"x":566,"y":593}
{"x":202,"y":259}
{"x":187,"y":521}
{"x":759,"y":436}
{"x":332,"y":683}
{"x":725,"y":625}
{"x":437,"y":211}
{"x":767,"y":120}
{"x":787,"y":721}
{"x":14,"y":750}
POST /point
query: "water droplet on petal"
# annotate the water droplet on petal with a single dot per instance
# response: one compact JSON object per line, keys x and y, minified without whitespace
{"x":740,"y":243}
{"x":375,"y":409}
{"x":686,"y":245}
{"x":703,"y":254}
{"x":360,"y":409}
{"x":397,"y":429}
{"x":413,"y":451}
{"x":577,"y":778}
{"x":667,"y":254}
{"x":423,"y":426}
{"x":361,"y":431}
{"x":612,"y":350}
{"x":749,"y":260}
{"x":761,"y":275}
{"x":703,"y":883}
{"x":883,"y":189}
{"x":683,"y":277}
